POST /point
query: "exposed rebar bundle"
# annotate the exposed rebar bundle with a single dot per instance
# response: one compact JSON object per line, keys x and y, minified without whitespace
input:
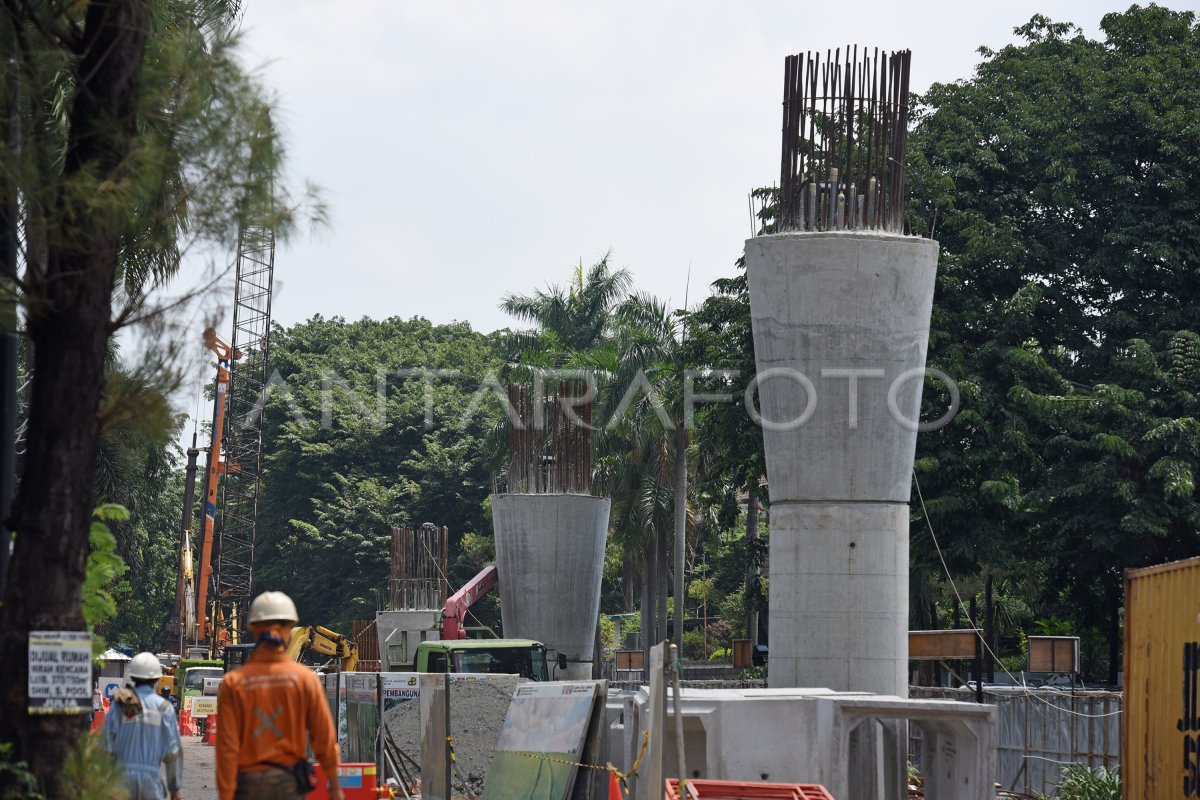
{"x":845,"y":130}
{"x":550,"y":439}
{"x":418,"y":579}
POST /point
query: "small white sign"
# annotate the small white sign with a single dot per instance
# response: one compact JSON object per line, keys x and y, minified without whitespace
{"x":202,"y":706}
{"x":109,"y":687}
{"x":60,"y":672}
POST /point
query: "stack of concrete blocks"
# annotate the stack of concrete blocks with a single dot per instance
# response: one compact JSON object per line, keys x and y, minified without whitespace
{"x":845,"y":741}
{"x":841,"y":324}
{"x":550,"y":560}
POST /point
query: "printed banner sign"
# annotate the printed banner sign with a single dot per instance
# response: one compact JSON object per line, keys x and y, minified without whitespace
{"x":60,"y":672}
{"x":202,"y":706}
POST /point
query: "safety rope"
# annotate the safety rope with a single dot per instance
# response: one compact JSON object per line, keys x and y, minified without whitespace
{"x":622,"y":777}
{"x":458,"y":772}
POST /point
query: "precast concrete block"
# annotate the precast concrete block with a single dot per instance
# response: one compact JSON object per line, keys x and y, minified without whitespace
{"x":959,"y":746}
{"x":839,"y":596}
{"x":550,"y":560}
{"x":841,"y":325}
{"x":853,"y":743}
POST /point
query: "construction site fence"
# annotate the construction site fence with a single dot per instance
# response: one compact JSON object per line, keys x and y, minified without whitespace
{"x":1042,"y":731}
{"x":366,"y":706}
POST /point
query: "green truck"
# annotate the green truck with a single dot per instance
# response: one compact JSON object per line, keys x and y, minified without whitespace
{"x":524,"y":657}
{"x":189,"y":677}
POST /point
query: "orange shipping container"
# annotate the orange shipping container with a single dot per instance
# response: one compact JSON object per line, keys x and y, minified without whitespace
{"x":1160,"y":743}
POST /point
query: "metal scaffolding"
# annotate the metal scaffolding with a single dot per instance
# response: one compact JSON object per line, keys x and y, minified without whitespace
{"x":244,"y":422}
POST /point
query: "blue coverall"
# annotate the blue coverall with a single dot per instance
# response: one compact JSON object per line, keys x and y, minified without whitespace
{"x":144,"y":741}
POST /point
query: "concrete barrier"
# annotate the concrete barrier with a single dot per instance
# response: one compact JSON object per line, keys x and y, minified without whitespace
{"x":854,"y":744}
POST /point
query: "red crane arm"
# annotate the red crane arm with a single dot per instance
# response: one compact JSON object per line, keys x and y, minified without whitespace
{"x":455,"y":612}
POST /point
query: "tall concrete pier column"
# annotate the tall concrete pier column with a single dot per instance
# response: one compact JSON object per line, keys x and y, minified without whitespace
{"x":841,"y":323}
{"x":550,"y":558}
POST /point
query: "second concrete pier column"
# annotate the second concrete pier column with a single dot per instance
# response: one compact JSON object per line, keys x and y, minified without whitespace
{"x":550,"y":558}
{"x":841,"y":324}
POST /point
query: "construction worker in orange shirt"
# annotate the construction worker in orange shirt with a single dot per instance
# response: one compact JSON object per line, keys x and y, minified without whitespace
{"x":270,"y":710}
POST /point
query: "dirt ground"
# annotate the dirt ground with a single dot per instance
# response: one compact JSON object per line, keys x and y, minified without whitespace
{"x":199,"y":770}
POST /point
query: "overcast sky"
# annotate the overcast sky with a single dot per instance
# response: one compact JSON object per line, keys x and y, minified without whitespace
{"x":469,"y":149}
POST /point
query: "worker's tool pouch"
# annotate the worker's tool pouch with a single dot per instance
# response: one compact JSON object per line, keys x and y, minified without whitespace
{"x":305,"y":773}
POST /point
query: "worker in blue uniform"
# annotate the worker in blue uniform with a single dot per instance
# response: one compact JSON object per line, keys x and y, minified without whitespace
{"x":142,"y":732}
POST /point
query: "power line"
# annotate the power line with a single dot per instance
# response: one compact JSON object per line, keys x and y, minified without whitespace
{"x":983,"y":640}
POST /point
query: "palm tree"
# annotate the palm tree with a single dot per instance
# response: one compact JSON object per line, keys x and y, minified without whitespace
{"x":594,"y":324}
{"x":569,"y":321}
{"x":649,"y":377}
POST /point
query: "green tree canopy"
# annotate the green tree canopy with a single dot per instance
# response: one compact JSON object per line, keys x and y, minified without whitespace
{"x":1060,"y":181}
{"x":349,"y":454}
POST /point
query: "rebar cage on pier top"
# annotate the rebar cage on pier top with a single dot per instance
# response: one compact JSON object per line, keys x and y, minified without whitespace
{"x":845,"y":131}
{"x":549,"y":433}
{"x":419,"y":560}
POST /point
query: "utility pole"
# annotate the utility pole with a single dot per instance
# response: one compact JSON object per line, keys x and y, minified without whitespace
{"x":9,"y":141}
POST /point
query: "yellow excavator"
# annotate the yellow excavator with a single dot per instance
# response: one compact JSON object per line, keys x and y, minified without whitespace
{"x":309,"y":643}
{"x":315,"y":639}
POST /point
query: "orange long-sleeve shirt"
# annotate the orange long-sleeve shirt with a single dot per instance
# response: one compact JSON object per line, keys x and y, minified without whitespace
{"x":269,"y":710}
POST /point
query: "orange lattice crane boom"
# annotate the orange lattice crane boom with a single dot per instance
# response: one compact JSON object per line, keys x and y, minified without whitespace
{"x":225,"y":355}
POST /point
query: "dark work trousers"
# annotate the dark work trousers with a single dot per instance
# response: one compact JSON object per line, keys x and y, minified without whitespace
{"x":268,"y":784}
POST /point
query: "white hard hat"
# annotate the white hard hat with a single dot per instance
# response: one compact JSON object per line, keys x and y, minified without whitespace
{"x":270,"y":606}
{"x":145,"y":666}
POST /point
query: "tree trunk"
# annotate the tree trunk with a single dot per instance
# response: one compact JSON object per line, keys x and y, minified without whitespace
{"x":68,"y":324}
{"x":751,"y":564}
{"x":649,"y":602}
{"x":929,"y":671}
{"x":1114,"y":635}
{"x":681,"y":481}
{"x":989,"y":620}
{"x":663,"y":558}
{"x":10,"y":136}
{"x":597,"y":655}
{"x":628,"y":580}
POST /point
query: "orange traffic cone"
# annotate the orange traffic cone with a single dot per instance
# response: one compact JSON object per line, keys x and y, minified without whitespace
{"x":98,"y":719}
{"x":614,"y":786}
{"x":210,"y":730}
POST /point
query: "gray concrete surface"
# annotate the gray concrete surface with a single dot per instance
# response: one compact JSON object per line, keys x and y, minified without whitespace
{"x":550,"y":558}
{"x":841,"y":326}
{"x":199,"y":770}
{"x":840,"y":301}
{"x":853,"y":743}
{"x":839,"y":583}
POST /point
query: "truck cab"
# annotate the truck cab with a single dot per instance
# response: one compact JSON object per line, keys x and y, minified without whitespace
{"x":234,"y":655}
{"x":524,"y":657}
{"x":190,"y":675}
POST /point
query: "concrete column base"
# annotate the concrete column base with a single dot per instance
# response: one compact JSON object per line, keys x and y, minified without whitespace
{"x":839,"y":596}
{"x":550,"y":557}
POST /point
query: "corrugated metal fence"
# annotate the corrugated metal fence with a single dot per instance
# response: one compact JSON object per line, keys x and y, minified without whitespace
{"x":1043,"y":730}
{"x":364,"y":634}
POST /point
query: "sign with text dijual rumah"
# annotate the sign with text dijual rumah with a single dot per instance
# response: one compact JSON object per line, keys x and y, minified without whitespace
{"x":60,"y":672}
